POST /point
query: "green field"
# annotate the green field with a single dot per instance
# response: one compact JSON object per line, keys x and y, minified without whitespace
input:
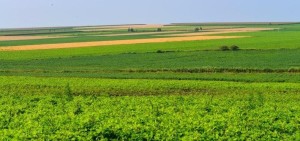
{"x":192,"y":117}
{"x":187,"y":90}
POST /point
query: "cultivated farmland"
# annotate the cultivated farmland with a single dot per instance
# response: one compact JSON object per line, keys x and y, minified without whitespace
{"x":227,"y":81}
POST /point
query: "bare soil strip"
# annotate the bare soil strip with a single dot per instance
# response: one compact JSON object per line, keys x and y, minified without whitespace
{"x":116,"y":42}
{"x":15,"y":38}
{"x":221,"y":31}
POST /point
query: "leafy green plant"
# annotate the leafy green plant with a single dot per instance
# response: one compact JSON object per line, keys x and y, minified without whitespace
{"x":68,"y":92}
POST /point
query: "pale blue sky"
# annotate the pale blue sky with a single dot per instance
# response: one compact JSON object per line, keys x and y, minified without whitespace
{"x":41,"y":13}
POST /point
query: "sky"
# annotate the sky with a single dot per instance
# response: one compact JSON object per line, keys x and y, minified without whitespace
{"x":49,"y":13}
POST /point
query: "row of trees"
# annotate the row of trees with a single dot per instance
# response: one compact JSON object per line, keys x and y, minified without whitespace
{"x":130,"y":29}
{"x":134,"y":30}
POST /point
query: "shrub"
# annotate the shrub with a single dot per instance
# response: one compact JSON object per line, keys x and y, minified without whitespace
{"x":197,"y":29}
{"x":160,"y":51}
{"x":224,"y":48}
{"x":234,"y":48}
{"x":159,"y":29}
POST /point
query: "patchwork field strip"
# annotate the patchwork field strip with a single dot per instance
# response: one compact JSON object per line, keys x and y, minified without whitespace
{"x":15,"y":38}
{"x":222,"y":31}
{"x":116,"y":42}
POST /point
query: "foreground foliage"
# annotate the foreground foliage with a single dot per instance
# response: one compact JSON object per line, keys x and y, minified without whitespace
{"x":193,"y":117}
{"x":37,"y":108}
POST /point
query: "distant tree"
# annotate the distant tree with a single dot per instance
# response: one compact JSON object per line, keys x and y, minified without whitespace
{"x":130,"y":29}
{"x":159,"y":30}
{"x":197,"y":29}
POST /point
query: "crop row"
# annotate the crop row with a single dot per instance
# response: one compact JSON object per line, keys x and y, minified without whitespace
{"x":116,"y":87}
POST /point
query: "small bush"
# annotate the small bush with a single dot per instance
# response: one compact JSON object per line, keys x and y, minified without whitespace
{"x":160,"y":51}
{"x":224,"y":48}
{"x":234,"y":48}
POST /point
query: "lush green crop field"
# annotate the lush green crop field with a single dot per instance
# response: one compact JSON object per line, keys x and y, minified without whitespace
{"x":260,"y":59}
{"x":195,"y":117}
{"x":156,"y":91}
{"x":116,"y":87}
{"x":197,"y":65}
{"x":87,"y":109}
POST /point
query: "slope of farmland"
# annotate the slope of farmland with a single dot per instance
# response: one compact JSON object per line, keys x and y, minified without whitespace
{"x":116,"y":42}
{"x":174,"y":90}
{"x":111,"y":35}
{"x":287,"y":37}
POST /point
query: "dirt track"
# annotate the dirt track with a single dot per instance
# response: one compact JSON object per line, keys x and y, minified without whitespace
{"x":116,"y":42}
